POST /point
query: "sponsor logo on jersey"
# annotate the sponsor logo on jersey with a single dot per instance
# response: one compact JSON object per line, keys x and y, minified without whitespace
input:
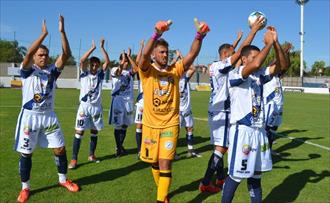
{"x":168,"y":145}
{"x":81,"y":114}
{"x":166,"y":134}
{"x":51,"y":128}
{"x":156,"y":102}
{"x":149,"y":141}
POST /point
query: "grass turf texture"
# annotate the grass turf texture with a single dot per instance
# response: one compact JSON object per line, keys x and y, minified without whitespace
{"x":301,"y":172}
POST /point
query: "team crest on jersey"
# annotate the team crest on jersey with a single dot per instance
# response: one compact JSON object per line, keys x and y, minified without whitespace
{"x":246,"y":149}
{"x":37,"y":98}
{"x":168,"y":145}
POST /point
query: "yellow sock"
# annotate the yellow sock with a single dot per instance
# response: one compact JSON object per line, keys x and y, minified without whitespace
{"x":165,"y":177}
{"x":155,"y":174}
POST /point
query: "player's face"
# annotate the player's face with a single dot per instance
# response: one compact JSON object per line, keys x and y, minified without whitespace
{"x":94,"y":66}
{"x":161,"y":55}
{"x":252,"y":55}
{"x":41,"y":58}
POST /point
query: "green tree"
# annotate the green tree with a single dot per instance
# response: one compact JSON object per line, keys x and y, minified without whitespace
{"x":318,"y":68}
{"x":10,"y":51}
{"x":327,"y":71}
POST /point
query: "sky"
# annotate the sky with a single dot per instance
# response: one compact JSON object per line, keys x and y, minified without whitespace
{"x":124,"y":23}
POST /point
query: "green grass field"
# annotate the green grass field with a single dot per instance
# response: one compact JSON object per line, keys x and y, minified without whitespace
{"x":301,"y":173}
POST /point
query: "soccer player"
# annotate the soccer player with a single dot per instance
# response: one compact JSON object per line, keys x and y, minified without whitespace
{"x":186,"y":117}
{"x":139,"y":105}
{"x":248,"y":152}
{"x":90,"y":111}
{"x":121,"y":109}
{"x":161,"y":103}
{"x":273,"y":98}
{"x":219,"y":108}
{"x":37,"y":122}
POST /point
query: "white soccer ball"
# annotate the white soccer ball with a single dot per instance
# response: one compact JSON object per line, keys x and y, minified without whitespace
{"x":253,"y":17}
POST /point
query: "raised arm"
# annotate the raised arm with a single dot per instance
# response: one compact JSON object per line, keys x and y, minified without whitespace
{"x":66,"y":52}
{"x":202,"y":29}
{"x":105,"y":55}
{"x":191,"y":71}
{"x":121,"y":64}
{"x":254,"y":29}
{"x":286,"y":51}
{"x":28,"y":59}
{"x":177,"y":57}
{"x":238,"y":39}
{"x":84,"y":58}
{"x":135,"y":68}
{"x":282,"y":63}
{"x":140,"y":52}
{"x":160,"y":28}
{"x":260,"y":58}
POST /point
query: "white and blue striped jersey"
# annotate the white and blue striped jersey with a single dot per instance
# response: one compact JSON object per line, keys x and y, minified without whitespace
{"x":246,"y":97}
{"x":39,"y":88}
{"x":91,"y":87}
{"x":140,"y":91}
{"x":122,"y":85}
{"x":184,"y":88}
{"x":219,"y":99}
{"x":273,"y":91}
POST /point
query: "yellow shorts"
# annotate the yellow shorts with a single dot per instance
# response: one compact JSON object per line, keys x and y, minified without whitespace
{"x":158,"y":143}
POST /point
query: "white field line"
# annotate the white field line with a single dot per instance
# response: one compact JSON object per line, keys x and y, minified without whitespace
{"x":205,"y":119}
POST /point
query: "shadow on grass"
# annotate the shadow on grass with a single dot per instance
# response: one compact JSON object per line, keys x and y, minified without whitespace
{"x":193,"y":186}
{"x":289,"y":189}
{"x":197,"y":140}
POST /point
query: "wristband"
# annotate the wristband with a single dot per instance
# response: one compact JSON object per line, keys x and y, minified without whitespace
{"x":156,"y":36}
{"x":199,"y":36}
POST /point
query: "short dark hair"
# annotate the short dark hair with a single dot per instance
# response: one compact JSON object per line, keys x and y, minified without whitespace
{"x":161,"y":42}
{"x":121,"y":56}
{"x":94,"y":59}
{"x":247,"y":49}
{"x":224,"y":46}
{"x":41,"y":46}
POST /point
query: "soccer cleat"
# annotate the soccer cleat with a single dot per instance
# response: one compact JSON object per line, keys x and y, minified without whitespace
{"x":24,"y":195}
{"x":92,"y":158}
{"x":68,"y":184}
{"x":208,"y":188}
{"x":220,"y":183}
{"x":73,"y":164}
{"x":192,"y":153}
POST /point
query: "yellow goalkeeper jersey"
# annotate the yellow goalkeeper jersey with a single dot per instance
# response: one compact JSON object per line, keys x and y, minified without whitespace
{"x":161,"y":95}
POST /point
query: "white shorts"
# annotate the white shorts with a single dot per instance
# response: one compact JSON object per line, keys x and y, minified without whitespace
{"x":219,"y":127}
{"x":121,"y":112}
{"x":273,"y":114}
{"x":37,"y":128}
{"x":248,"y":151}
{"x":89,"y":117}
{"x":139,"y":111}
{"x":186,"y":119}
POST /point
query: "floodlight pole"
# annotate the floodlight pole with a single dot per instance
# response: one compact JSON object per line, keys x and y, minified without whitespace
{"x":302,"y":33}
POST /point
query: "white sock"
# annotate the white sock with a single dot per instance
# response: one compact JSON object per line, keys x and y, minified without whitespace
{"x":218,"y":153}
{"x":61,"y":178}
{"x":26,"y":185}
{"x":190,"y":147}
